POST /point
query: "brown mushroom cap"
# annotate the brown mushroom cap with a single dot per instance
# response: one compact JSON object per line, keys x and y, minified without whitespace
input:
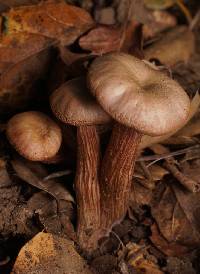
{"x":73,"y":104}
{"x":34,"y":135}
{"x":137,"y":95}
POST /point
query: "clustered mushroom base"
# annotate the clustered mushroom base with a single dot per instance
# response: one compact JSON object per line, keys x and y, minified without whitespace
{"x":141,"y":101}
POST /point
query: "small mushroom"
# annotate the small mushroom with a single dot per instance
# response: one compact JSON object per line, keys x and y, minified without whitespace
{"x":142,"y":100}
{"x":73,"y":104}
{"x":34,"y":135}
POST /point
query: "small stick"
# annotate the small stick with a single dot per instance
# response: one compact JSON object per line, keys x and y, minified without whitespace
{"x":188,"y":183}
{"x":146,"y":170}
{"x":185,"y":10}
{"x":195,"y":20}
{"x":167,"y":155}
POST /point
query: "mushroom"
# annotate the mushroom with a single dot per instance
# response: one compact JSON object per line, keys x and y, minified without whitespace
{"x":141,"y":100}
{"x":73,"y":104}
{"x":34,"y":135}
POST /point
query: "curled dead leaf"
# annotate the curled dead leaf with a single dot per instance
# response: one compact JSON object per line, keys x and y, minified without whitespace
{"x":161,"y":20}
{"x":55,"y":20}
{"x":33,"y":174}
{"x":168,"y":248}
{"x":141,"y":260}
{"x":159,"y":4}
{"x":18,"y":82}
{"x":177,"y":45}
{"x":102,"y":39}
{"x":175,"y":212}
{"x":19,"y":46}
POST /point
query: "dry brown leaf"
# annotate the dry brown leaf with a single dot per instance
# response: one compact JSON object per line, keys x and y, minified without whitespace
{"x":15,"y":3}
{"x":168,"y":248}
{"x":155,"y":171}
{"x":159,"y":4}
{"x":19,"y":46}
{"x":17,"y":84}
{"x":102,"y":39}
{"x":140,"y":259}
{"x":148,"y":140}
{"x":161,"y":20}
{"x":33,"y":174}
{"x":175,"y":212}
{"x":139,"y":195}
{"x":69,"y":57}
{"x":55,"y":20}
{"x":46,"y":209}
{"x":46,"y":254}
{"x":135,"y":8}
{"x":177,"y":45}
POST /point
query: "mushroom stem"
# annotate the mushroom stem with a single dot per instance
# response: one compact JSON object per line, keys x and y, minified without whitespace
{"x":117,"y":173}
{"x":87,"y":186}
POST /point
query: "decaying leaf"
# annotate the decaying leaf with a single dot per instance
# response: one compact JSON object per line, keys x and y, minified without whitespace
{"x":156,"y":172}
{"x":175,"y":212}
{"x":141,"y":260}
{"x":161,"y":20}
{"x":102,"y":39}
{"x":148,"y":141}
{"x":32,"y":174}
{"x":166,"y":247}
{"x":140,"y":195}
{"x":159,"y":4}
{"x":46,"y":209}
{"x":179,"y":265}
{"x":175,"y":46}
{"x":164,"y":4}
{"x":136,"y":9}
{"x":188,"y":182}
{"x":47,"y":253}
{"x":19,"y":46}
{"x":15,"y":3}
{"x":55,"y":20}
{"x":17,"y":84}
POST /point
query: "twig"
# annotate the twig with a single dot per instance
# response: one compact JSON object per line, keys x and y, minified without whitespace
{"x":156,"y":158}
{"x":195,"y":20}
{"x":188,"y":183}
{"x":125,"y":24}
{"x":170,"y":164}
{"x":118,"y":238}
{"x":185,"y":10}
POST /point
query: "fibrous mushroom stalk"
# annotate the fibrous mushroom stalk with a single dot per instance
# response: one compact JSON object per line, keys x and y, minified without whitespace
{"x":117,"y":173}
{"x":87,"y":186}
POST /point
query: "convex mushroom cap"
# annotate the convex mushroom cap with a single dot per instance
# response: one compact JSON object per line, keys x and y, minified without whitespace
{"x":73,"y":104}
{"x":137,"y":95}
{"x":34,"y":135}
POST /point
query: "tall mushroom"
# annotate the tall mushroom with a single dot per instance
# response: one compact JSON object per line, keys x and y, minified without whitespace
{"x":73,"y":104}
{"x":142,"y":101}
{"x":34,"y":135}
